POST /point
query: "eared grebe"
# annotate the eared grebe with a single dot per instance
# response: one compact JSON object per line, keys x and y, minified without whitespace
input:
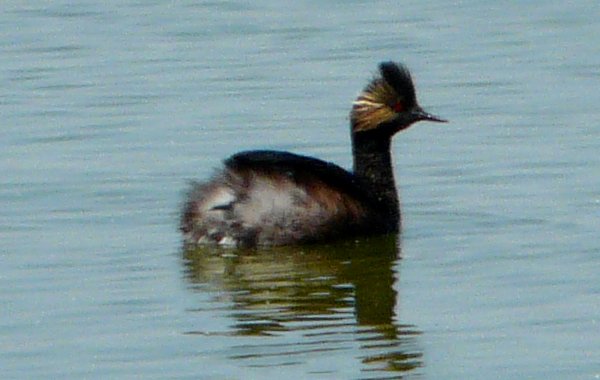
{"x":280,"y":198}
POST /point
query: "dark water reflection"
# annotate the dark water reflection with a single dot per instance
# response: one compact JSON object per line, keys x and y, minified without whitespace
{"x":319,"y":299}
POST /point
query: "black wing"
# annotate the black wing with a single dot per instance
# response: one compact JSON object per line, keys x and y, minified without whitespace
{"x":300,"y":169}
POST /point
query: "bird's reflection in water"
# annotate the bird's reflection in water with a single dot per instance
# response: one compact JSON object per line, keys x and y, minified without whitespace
{"x":320,"y":300}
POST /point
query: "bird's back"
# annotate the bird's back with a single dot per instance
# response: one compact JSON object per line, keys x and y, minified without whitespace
{"x":275,"y":198}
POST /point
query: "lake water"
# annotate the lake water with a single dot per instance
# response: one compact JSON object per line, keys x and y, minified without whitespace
{"x":109,"y":108}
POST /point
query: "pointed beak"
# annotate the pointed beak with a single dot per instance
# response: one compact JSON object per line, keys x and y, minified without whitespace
{"x":421,"y":114}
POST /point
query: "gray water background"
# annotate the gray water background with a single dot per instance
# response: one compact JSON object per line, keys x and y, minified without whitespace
{"x":108,"y":108}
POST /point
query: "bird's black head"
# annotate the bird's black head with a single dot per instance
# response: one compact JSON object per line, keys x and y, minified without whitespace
{"x":388,"y":103}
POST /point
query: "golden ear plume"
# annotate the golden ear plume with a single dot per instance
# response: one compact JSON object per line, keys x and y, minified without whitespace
{"x":373,"y":106}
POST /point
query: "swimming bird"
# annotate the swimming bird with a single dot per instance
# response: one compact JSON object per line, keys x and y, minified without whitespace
{"x":269,"y":198}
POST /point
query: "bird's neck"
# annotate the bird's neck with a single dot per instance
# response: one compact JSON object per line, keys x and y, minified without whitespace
{"x":373,"y":165}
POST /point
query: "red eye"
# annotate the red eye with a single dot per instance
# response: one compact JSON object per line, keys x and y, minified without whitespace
{"x":398,"y":107}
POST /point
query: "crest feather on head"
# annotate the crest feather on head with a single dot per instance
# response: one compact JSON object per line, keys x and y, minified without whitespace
{"x":389,"y":92}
